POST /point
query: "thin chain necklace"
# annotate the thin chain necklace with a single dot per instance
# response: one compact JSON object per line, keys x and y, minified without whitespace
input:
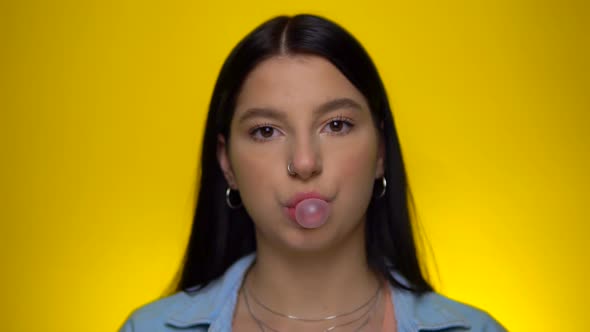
{"x":371,"y":299}
{"x":371,"y":304}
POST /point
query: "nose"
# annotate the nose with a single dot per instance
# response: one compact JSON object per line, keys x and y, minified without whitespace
{"x":305,"y":158}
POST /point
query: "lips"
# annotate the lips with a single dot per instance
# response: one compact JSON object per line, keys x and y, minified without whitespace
{"x":298,"y":197}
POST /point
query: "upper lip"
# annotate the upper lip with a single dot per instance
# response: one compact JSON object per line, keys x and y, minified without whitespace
{"x":298,"y":197}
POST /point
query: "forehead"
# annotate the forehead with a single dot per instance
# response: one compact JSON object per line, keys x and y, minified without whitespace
{"x":295,"y":82}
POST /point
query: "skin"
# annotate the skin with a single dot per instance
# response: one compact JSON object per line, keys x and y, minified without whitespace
{"x":337,"y":153}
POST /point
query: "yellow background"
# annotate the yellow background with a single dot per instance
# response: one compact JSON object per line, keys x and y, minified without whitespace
{"x":102,"y":110}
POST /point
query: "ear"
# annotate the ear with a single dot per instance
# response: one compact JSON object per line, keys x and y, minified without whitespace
{"x":224,"y":162}
{"x":380,"y":169}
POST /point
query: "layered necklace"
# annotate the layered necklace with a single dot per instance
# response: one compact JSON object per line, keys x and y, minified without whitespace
{"x":357,"y":319}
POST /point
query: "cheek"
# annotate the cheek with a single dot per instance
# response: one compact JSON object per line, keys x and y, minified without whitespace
{"x":252,"y":167}
{"x":355,"y":171}
{"x":357,"y":160}
{"x":249,"y":168}
{"x":254,"y":171}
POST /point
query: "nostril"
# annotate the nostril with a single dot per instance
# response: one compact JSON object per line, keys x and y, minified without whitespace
{"x":290,"y":169}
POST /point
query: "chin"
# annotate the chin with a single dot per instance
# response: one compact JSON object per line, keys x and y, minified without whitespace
{"x":300,"y":240}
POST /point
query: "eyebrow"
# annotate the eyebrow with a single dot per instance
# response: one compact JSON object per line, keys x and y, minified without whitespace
{"x":279,"y":115}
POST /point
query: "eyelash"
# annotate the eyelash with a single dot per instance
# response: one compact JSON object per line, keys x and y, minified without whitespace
{"x":339,"y":118}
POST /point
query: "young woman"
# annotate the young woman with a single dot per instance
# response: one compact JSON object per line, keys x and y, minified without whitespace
{"x":302,"y":221}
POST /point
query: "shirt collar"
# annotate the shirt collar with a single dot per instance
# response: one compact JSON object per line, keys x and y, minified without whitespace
{"x":427,"y":312}
{"x":205,"y":305}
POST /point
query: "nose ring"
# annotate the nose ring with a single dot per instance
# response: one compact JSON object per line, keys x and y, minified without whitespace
{"x":290,"y":169}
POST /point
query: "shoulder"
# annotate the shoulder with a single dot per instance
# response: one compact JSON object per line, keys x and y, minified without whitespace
{"x":479,"y":319}
{"x":434,"y":310}
{"x":211,"y":305}
{"x":153,"y":316}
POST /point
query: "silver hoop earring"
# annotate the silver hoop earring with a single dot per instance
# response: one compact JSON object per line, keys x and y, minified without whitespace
{"x":228,"y":200}
{"x":384,"y":184}
{"x":290,"y":169}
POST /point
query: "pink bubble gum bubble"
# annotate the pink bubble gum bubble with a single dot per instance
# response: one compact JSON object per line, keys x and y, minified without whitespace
{"x":312,"y":212}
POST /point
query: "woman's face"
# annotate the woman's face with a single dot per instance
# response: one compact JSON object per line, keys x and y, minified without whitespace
{"x":303,"y":110}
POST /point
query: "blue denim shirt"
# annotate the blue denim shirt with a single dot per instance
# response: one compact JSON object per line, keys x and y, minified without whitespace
{"x":212,"y":308}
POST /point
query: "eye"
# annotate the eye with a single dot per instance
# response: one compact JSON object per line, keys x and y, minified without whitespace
{"x":263,"y":132}
{"x":339,"y":126}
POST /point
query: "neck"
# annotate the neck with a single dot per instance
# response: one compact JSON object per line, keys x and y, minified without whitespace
{"x":313,"y":284}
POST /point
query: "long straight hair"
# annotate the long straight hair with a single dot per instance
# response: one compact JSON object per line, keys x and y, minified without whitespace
{"x":221,"y":235}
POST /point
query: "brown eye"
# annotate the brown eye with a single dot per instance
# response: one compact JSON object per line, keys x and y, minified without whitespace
{"x":263,"y":133}
{"x":266,"y":132}
{"x":336,"y":126}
